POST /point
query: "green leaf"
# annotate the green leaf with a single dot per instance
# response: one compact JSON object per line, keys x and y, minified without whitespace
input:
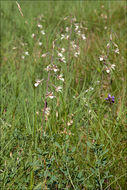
{"x":73,"y":149}
{"x":38,"y":187}
{"x":57,"y":145}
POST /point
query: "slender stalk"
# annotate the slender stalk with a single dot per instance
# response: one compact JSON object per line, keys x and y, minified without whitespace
{"x":47,"y":86}
{"x":45,"y":105}
{"x":70,"y":178}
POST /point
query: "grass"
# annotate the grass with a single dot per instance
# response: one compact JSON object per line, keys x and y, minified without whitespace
{"x":80,"y":142}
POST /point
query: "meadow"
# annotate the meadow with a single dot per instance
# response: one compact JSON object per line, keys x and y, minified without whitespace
{"x":63,"y":95}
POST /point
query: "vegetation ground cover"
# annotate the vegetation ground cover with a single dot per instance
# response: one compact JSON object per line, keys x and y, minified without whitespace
{"x":63,"y":95}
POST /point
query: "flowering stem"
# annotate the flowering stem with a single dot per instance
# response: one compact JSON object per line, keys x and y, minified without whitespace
{"x":35,"y":120}
{"x":47,"y":86}
{"x":45,"y":105}
{"x":69,"y":45}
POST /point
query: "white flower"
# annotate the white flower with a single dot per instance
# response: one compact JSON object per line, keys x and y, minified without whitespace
{"x":38,"y":82}
{"x":101,"y":58}
{"x":37,"y":112}
{"x":76,"y":54}
{"x":55,"y":70}
{"x":60,"y":77}
{"x":39,"y":26}
{"x":14,"y":48}
{"x":83,"y":36}
{"x":50,"y":95}
{"x":113,"y":66}
{"x":73,"y":44}
{"x":67,"y":37}
{"x":89,"y":111}
{"x":65,"y":18}
{"x":85,"y":28}
{"x":70,"y":122}
{"x":62,"y":50}
{"x":59,"y":89}
{"x":26,"y":53}
{"x":87,"y":90}
{"x":76,"y":26}
{"x":23,"y":57}
{"x":44,"y":55}
{"x":42,"y":32}
{"x":62,"y":36}
{"x":40,"y":43}
{"x":111,"y":37}
{"x":108,"y":45}
{"x":79,"y":32}
{"x":48,"y":68}
{"x":67,"y":29}
{"x":63,"y":60}
{"x":107,"y":70}
{"x":115,"y":45}
{"x":47,"y":111}
{"x":117,"y":51}
{"x":52,"y":68}
{"x":60,"y":54}
{"x":33,"y":35}
{"x":57,"y":114}
{"x":91,"y":88}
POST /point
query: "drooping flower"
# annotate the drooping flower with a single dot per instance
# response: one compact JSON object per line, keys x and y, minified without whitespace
{"x":62,"y":36}
{"x":33,"y":35}
{"x":62,"y":59}
{"x":70,"y":122}
{"x":76,"y":26}
{"x":52,"y":68}
{"x":23,"y":57}
{"x":67,"y":29}
{"x":59,"y":89}
{"x":83,"y":36}
{"x":44,"y":55}
{"x":38,"y":82}
{"x":60,"y":54}
{"x":39,"y":26}
{"x":113,"y":66}
{"x":40,"y":43}
{"x":107,"y":71}
{"x":50,"y":95}
{"x":60,"y":77}
{"x":101,"y":58}
{"x":26,"y":53}
{"x":62,"y":50}
{"x":42,"y":32}
{"x":47,"y":111}
{"x":76,"y":54}
{"x":117,"y":51}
